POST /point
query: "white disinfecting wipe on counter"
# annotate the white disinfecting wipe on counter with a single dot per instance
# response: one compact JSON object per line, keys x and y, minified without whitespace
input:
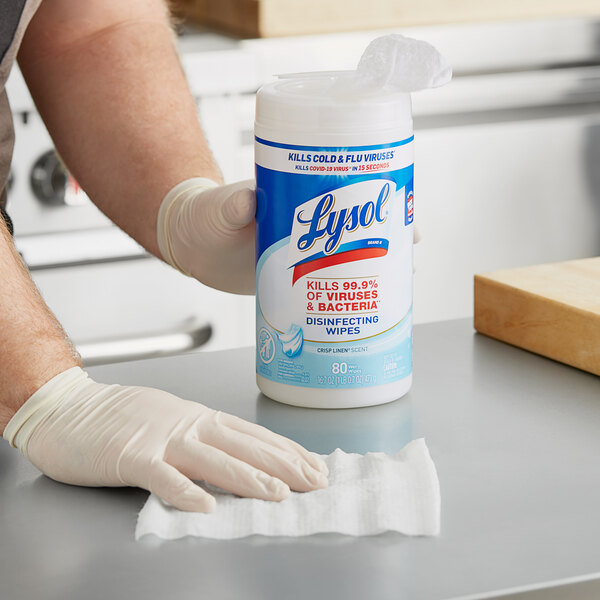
{"x":334,"y":228}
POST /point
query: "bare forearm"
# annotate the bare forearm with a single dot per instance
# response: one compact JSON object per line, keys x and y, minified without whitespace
{"x":117,"y":104}
{"x":33,"y":346}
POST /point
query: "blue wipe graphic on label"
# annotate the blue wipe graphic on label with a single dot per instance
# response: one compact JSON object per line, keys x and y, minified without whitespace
{"x":291,"y":341}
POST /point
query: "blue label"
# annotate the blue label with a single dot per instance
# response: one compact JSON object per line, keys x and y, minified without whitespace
{"x":334,"y":264}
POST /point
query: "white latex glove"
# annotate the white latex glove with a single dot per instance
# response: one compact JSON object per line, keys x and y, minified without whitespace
{"x":86,"y":433}
{"x":207,"y":232}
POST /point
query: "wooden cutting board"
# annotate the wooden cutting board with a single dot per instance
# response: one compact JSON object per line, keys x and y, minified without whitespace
{"x":268,"y":18}
{"x":552,"y":310}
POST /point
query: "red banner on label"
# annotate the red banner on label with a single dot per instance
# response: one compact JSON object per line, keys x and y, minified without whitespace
{"x":336,"y":259}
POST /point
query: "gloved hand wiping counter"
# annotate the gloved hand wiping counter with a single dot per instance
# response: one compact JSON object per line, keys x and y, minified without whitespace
{"x":85,"y":433}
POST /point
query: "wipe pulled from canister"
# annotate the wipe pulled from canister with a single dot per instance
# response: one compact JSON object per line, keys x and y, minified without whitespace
{"x":396,"y":63}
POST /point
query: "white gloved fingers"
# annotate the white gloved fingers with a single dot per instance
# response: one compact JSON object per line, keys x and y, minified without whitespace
{"x":279,"y":441}
{"x":200,"y":461}
{"x":291,"y":469}
{"x":239,"y":207}
{"x":174,"y":487}
{"x":206,"y":231}
{"x":79,"y":431}
{"x":220,"y":212}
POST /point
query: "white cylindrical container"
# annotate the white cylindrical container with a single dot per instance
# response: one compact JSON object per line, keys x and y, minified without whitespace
{"x":334,"y":242}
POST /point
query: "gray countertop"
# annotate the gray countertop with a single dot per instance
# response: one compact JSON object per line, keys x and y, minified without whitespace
{"x":515,"y":438}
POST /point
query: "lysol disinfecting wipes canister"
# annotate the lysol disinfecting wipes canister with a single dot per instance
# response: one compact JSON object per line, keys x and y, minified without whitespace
{"x":334,"y":174}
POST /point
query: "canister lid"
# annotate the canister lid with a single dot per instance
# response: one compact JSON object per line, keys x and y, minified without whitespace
{"x":329,"y":102}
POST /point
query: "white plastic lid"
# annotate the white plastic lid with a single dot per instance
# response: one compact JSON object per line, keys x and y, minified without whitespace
{"x":322,"y":103}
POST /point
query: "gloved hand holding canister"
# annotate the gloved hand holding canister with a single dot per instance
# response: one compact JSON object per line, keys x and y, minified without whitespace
{"x":81,"y":432}
{"x":206,"y":231}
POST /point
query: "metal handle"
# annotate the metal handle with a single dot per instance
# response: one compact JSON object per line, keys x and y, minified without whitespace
{"x":190,"y":335}
{"x":517,"y":90}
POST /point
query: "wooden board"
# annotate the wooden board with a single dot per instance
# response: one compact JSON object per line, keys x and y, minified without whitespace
{"x":271,"y":18}
{"x":552,"y":310}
